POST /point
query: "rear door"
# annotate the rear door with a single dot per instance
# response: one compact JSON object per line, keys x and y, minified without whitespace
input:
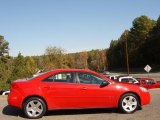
{"x":61,"y":90}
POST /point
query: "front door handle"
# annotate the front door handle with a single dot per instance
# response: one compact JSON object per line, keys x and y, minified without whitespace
{"x":83,"y":88}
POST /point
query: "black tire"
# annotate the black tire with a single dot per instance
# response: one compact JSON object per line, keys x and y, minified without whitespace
{"x":34,"y":108}
{"x":128,"y":103}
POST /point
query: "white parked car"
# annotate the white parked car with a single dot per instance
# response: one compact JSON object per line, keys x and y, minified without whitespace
{"x":6,"y":92}
{"x":127,"y":79}
{"x":112,"y":77}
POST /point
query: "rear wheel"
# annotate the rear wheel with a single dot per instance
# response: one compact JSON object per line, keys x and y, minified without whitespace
{"x":128,"y":103}
{"x":34,"y":107}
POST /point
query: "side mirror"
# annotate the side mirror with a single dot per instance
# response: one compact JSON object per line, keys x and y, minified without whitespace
{"x":104,"y":83}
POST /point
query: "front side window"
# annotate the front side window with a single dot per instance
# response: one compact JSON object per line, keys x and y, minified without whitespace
{"x":131,"y":80}
{"x":125,"y":80}
{"x":61,"y":77}
{"x":87,"y":78}
{"x":143,"y":82}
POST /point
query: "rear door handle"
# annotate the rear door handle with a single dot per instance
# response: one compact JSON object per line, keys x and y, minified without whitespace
{"x":48,"y":87}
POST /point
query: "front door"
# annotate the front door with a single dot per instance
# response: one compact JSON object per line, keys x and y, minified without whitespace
{"x":90,"y":93}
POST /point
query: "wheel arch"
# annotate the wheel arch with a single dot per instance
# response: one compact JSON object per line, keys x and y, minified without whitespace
{"x":138,"y":96}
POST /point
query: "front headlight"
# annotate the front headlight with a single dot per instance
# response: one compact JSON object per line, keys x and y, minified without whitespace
{"x":143,"y":89}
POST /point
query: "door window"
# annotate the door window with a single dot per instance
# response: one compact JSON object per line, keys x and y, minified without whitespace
{"x":143,"y":82}
{"x":125,"y":80}
{"x":61,"y":77}
{"x":150,"y":82}
{"x":88,"y":78}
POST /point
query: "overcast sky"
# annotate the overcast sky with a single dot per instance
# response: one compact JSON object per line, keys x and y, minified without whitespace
{"x":75,"y":25}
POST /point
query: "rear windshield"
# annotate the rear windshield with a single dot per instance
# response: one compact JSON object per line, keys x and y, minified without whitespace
{"x":36,"y":75}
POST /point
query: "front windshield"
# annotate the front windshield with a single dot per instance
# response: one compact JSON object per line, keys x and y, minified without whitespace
{"x":135,"y":80}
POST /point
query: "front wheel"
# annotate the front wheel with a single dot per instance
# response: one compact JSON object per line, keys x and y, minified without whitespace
{"x":128,"y":103}
{"x":34,"y":108}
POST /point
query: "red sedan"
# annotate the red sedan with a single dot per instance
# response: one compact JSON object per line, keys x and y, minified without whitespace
{"x":148,"y":83}
{"x":74,"y":88}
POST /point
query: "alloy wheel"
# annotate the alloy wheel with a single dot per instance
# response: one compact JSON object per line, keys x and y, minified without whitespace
{"x":34,"y":108}
{"x":129,"y":103}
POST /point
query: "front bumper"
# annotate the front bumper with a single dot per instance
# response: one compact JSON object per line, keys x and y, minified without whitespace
{"x":145,"y":98}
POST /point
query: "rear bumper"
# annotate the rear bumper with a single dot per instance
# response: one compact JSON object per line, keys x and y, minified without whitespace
{"x":15,"y":100}
{"x":145,"y":98}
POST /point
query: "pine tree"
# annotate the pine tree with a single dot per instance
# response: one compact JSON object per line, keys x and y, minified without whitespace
{"x":3,"y":46}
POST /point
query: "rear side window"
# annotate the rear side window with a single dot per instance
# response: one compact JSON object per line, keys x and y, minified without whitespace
{"x":61,"y":77}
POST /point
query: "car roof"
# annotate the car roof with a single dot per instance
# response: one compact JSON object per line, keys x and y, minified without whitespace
{"x":72,"y":70}
{"x":120,"y":76}
{"x":76,"y":70}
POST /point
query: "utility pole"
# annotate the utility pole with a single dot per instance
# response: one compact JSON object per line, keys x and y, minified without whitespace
{"x":127,"y":63}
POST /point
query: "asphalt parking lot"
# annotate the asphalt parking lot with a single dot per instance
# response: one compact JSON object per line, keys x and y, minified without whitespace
{"x":148,"y":112}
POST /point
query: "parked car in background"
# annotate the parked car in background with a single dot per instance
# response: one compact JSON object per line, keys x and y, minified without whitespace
{"x":148,"y":83}
{"x":112,"y":77}
{"x":4,"y":92}
{"x":74,"y":89}
{"x":127,"y":79}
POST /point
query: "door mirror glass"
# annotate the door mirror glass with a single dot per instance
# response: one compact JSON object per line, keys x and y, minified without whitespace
{"x":104,"y":83}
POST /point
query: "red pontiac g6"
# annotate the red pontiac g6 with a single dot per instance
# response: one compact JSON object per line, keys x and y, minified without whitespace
{"x":74,"y":88}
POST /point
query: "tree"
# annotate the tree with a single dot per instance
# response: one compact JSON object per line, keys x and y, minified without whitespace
{"x":137,"y":36}
{"x":150,"y":50}
{"x":6,"y":67}
{"x":5,"y":63}
{"x":69,"y":60}
{"x":81,"y":60}
{"x":139,"y":32}
{"x":97,"y":60}
{"x":4,"y":74}
{"x":55,"y":57}
{"x":143,"y":44}
{"x":116,"y":53}
{"x":101,"y":60}
{"x":3,"y":46}
{"x":18,"y":69}
{"x":30,"y":66}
